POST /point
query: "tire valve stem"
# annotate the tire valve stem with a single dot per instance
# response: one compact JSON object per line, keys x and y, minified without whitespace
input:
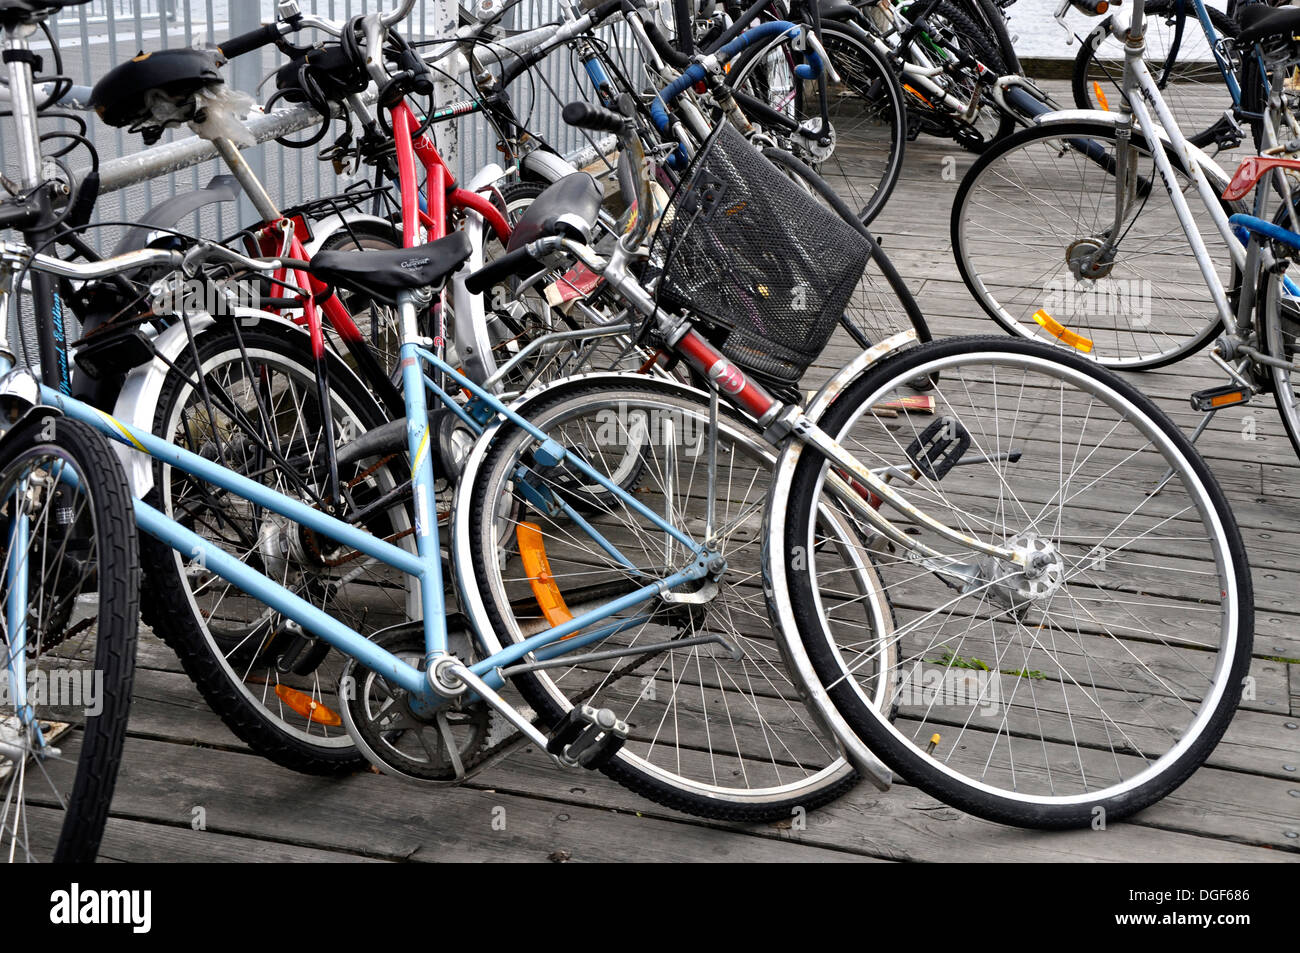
{"x":934,"y":743}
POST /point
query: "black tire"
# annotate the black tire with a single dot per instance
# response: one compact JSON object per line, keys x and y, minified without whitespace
{"x":954,"y":25}
{"x":720,"y":789}
{"x":100,"y":523}
{"x":950,"y":786}
{"x":229,"y":655}
{"x":874,"y":99}
{"x":1013,"y":312}
{"x":989,"y":14}
{"x":1196,"y":121}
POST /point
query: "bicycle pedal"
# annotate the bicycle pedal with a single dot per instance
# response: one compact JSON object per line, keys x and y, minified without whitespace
{"x":1216,"y":398}
{"x":939,"y":447}
{"x":587,"y":737}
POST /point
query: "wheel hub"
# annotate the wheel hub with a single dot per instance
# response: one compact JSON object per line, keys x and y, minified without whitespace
{"x":1082,"y":258}
{"x":821,"y":146}
{"x":1032,"y":579}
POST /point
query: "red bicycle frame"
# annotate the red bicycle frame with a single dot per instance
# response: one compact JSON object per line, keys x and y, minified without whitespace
{"x":441,"y":191}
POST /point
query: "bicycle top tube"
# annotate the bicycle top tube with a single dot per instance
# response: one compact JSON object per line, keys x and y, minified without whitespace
{"x":698,"y":72}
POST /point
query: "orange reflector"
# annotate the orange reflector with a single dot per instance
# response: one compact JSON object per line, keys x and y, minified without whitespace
{"x":1228,"y":399}
{"x":917,"y":95}
{"x":1063,"y":334}
{"x":308,"y":707}
{"x":532,"y":550}
{"x":1102,"y":101}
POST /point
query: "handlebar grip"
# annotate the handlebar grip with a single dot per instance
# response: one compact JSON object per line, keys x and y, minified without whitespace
{"x":667,"y":52}
{"x":1093,"y":8}
{"x":508,"y":264}
{"x":247,"y":42}
{"x":596,"y":118}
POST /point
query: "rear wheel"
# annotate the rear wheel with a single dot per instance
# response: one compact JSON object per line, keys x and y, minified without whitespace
{"x":69,"y":585}
{"x":718,"y":727}
{"x":251,"y":403}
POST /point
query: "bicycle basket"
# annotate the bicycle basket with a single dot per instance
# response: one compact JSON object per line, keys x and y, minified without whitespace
{"x":761,"y":260}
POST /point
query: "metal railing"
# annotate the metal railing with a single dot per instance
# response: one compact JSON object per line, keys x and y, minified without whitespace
{"x":95,"y":37}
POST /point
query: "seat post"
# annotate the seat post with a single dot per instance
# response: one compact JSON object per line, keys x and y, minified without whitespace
{"x":248,"y":179}
{"x":422,"y":476}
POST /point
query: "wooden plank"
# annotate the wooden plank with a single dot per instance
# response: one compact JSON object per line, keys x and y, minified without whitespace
{"x":384,"y":818}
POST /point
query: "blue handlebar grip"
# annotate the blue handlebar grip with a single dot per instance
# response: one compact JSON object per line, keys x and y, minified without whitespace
{"x":811,"y":69}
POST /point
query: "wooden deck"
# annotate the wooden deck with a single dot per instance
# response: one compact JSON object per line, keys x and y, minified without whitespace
{"x":184,"y":770}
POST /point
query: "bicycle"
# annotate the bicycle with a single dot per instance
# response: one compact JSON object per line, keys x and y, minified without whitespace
{"x":1179,"y":64}
{"x":414,"y":680}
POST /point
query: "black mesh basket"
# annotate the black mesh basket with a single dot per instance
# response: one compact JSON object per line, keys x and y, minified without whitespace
{"x":762,"y":261}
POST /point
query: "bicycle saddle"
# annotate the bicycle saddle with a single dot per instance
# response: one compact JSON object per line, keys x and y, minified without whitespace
{"x":1259,"y":21}
{"x":155,"y":90}
{"x":382,"y":273}
{"x":836,"y":9}
{"x":570,"y":206}
{"x":24,"y":8}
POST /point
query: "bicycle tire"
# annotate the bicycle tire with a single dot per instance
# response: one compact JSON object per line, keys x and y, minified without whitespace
{"x":1163,"y":735}
{"x":234,"y":667}
{"x":104,"y":499}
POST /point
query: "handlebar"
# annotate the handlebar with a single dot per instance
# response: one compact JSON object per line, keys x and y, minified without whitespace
{"x":270,"y":33}
{"x":596,"y":118}
{"x":264,"y":35}
{"x":698,"y":72}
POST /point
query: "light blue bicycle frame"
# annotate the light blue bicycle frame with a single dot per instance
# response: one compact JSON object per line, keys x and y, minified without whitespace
{"x":425,"y":565}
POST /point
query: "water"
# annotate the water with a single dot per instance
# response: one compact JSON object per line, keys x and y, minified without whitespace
{"x":1039,"y":35}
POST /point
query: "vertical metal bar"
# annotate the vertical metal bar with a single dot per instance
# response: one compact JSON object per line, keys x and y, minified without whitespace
{"x":245,"y":74}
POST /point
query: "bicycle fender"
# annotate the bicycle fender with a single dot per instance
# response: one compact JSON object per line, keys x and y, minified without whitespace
{"x":137,"y":402}
{"x":222,"y":188}
{"x":20,"y":404}
{"x":328,"y":227}
{"x":1218,"y":177}
{"x":469,"y":315}
{"x":548,"y":166}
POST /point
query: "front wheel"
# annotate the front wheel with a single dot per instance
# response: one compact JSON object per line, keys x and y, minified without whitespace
{"x":719,"y":728}
{"x":1038,"y":242}
{"x":69,"y":576}
{"x":1093,"y":671}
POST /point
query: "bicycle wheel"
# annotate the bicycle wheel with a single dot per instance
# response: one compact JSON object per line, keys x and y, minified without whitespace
{"x":1087,"y":687}
{"x":882,"y":305}
{"x":1188,"y":76}
{"x":70,"y":589}
{"x":1030,"y":226}
{"x":952,"y":34}
{"x":718,"y":727}
{"x":861,"y":154}
{"x":1278,"y":315}
{"x":378,"y":322}
{"x":988,"y":15}
{"x":250,"y":401}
